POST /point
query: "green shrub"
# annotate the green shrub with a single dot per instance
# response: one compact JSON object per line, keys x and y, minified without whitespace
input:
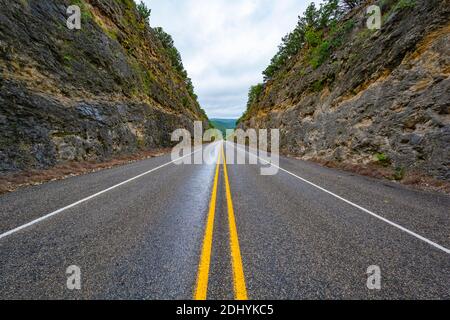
{"x":254,"y":94}
{"x":318,"y":85}
{"x":383,"y":159}
{"x":68,"y":58}
{"x":313,"y":37}
{"x":404,"y":4}
{"x":319,"y":54}
{"x":399,"y":173}
{"x":86,"y":14}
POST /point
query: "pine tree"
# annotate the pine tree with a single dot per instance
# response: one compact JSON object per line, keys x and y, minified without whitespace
{"x":144,"y":12}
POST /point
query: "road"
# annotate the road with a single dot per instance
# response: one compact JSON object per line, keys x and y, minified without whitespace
{"x":157,"y":230}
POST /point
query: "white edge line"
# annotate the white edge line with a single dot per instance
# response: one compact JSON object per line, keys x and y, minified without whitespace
{"x":29,"y":224}
{"x":418,"y":236}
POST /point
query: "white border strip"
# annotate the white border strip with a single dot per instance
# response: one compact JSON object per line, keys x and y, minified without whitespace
{"x":418,"y":236}
{"x":29,"y":224}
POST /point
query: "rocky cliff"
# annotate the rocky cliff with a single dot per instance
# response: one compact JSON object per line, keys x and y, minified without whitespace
{"x":380,"y":96}
{"x":86,"y":94}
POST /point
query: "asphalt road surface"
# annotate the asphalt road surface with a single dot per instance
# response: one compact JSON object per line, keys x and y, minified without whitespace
{"x":155,"y":229}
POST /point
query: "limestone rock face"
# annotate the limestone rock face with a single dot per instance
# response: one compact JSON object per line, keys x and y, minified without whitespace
{"x":86,"y":94}
{"x":382,"y":92}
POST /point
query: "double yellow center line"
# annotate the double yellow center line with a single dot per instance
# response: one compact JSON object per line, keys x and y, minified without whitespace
{"x":240,"y":290}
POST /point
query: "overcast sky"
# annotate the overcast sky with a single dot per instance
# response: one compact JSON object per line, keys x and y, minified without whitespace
{"x":226,"y":44}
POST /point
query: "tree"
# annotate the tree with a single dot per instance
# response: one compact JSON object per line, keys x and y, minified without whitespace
{"x":172,"y":52}
{"x":293,"y":41}
{"x":329,"y":13}
{"x":310,"y":17}
{"x":254,"y":94}
{"x":144,"y":12}
{"x":351,"y":4}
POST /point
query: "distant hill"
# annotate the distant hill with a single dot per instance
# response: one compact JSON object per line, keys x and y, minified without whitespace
{"x":223,"y":124}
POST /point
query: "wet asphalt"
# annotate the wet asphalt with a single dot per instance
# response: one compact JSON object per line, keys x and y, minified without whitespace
{"x":143,"y":240}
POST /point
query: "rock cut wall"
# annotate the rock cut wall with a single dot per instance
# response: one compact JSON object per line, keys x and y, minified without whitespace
{"x":383,"y":94}
{"x":89,"y":94}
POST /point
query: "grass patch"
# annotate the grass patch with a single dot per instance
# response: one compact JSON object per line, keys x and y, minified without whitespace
{"x":86,"y":14}
{"x":322,"y":46}
{"x":382,"y":159}
{"x":405,"y":4}
{"x":399,"y":174}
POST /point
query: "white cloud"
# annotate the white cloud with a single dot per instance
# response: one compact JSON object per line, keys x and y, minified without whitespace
{"x":226,"y":44}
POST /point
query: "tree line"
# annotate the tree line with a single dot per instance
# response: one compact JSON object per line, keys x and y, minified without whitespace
{"x":309,"y":31}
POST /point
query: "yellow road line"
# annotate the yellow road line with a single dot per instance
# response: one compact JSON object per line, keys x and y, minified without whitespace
{"x":201,"y":290}
{"x":240,"y":290}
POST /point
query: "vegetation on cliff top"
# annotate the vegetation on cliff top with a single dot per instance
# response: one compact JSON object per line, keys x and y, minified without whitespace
{"x":169,"y":47}
{"x":144,"y":12}
{"x":320,"y":31}
{"x":175,"y":58}
{"x":314,"y":30}
{"x":316,"y":34}
{"x":129,"y":25}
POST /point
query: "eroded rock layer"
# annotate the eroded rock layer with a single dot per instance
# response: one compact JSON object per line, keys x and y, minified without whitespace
{"x":86,"y":94}
{"x":383,"y":94}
